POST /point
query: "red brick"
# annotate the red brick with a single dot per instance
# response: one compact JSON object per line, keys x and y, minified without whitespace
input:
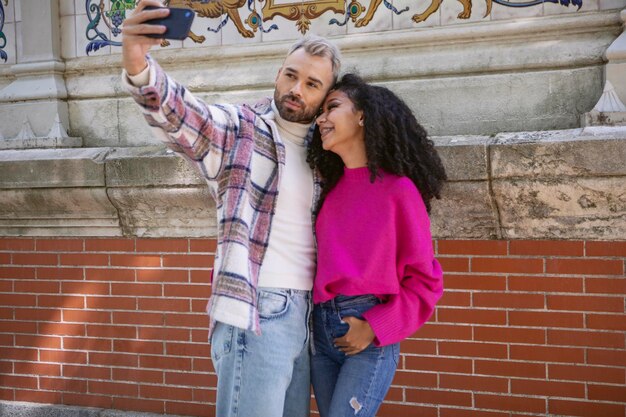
{"x":401,"y":410}
{"x":443,"y":331}
{"x":472,"y":247}
{"x":84,"y":259}
{"x":585,"y":266}
{"x":8,"y":244}
{"x":187,"y":291}
{"x":203,"y":245}
{"x":586,"y":338}
{"x":606,"y":321}
{"x":470,"y":349}
{"x":452,"y":264}
{"x":426,"y":396}
{"x":137,"y":261}
{"x":200,"y":276}
{"x":198,"y":305}
{"x":88,"y":400}
{"x":7,"y":394}
{"x":508,"y":300}
{"x":163,"y":304}
{"x":38,"y":314}
{"x":35,"y":259}
{"x":200,"y":336}
{"x":188,"y":379}
{"x":613,"y":286}
{"x":587,"y":373}
{"x":585,"y":303}
{"x":63,"y":356}
{"x":45,"y":342}
{"x":87,"y":343}
{"x":546,"y":247}
{"x":545,"y":284}
{"x":110,"y":245}
{"x":7,"y":340}
{"x":138,"y":346}
{"x":19,"y":354}
{"x":462,"y":412}
{"x":17,"y":272}
{"x":509,"y":335}
{"x":438,"y":364}
{"x":547,"y":388}
{"x":418,"y":347}
{"x":617,"y":249}
{"x":36,"y":368}
{"x":547,"y":353}
{"x":584,"y":408}
{"x":474,"y":383}
{"x":549,"y":319}
{"x":162,"y":245}
{"x":415,"y":379}
{"x":187,"y":408}
{"x":39,"y":287}
{"x":158,"y":333}
{"x":19,"y":381}
{"x":61,"y":301}
{"x":187,"y":349}
{"x":606,"y":357}
{"x":38,"y":396}
{"x":138,"y":375}
{"x":60,"y":273}
{"x":113,"y":359}
{"x":473,"y":316}
{"x":455,"y":298}
{"x":510,"y":403}
{"x":508,"y":265}
{"x":188,"y":261}
{"x":110,"y":274}
{"x":85,"y":287}
{"x":6,"y":313}
{"x":162,"y":275}
{"x":17,"y":327}
{"x":141,"y":318}
{"x":139,"y":404}
{"x":63,"y":384}
{"x":113,"y":388}
{"x":186,"y":320}
{"x":63,"y":329}
{"x":455,"y":281}
{"x":165,"y":362}
{"x":111,"y":331}
{"x":14,"y":300}
{"x":614,"y":393}
{"x":138,"y":289}
{"x":112,"y":303}
{"x":89,"y":372}
{"x":5,"y":258}
{"x":59,"y":245}
{"x":206,"y":395}
{"x":86,"y":316}
{"x":510,"y":368}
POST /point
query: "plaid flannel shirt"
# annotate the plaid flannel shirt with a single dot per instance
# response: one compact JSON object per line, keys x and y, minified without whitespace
{"x":241,"y":157}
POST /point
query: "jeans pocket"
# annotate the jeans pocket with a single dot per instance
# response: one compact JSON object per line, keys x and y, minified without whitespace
{"x":221,"y":340}
{"x":272,"y":304}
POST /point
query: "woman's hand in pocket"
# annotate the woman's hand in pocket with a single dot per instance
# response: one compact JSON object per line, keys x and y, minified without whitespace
{"x":359,"y":336}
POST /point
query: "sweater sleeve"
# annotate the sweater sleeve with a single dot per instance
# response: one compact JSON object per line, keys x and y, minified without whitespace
{"x":202,"y":133}
{"x":419,"y":275}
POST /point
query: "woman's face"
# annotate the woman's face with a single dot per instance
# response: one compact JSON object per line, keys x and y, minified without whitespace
{"x":341,"y":126}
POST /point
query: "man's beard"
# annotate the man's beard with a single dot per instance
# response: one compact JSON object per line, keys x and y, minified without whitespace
{"x":298,"y":116}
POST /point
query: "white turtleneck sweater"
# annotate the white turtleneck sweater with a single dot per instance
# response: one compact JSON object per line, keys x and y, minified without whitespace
{"x":290,"y":258}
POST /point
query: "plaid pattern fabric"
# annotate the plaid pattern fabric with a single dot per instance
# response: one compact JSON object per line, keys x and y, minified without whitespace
{"x":235,"y":150}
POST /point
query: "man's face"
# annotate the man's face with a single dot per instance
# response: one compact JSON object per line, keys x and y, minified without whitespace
{"x":301,"y":85}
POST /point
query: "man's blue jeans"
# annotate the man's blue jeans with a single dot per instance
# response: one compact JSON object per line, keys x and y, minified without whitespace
{"x":266,"y":375}
{"x":348,"y":385}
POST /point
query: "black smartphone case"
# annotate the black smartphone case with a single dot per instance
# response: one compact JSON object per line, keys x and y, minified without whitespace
{"x":178,"y":23}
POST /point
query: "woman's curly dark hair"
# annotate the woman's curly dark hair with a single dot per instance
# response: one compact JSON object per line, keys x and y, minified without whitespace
{"x":394,"y":141}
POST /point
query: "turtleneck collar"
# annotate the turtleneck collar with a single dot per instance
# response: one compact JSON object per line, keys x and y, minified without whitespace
{"x":292,"y":131}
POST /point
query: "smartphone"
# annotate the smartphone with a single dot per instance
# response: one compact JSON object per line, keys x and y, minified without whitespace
{"x":178,"y":23}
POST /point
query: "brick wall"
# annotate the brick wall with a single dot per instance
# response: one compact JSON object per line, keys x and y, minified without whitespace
{"x":525,"y":328}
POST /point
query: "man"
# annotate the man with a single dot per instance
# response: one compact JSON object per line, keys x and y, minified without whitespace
{"x":254,"y":161}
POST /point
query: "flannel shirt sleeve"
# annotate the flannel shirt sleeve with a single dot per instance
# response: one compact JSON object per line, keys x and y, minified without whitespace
{"x":202,"y":133}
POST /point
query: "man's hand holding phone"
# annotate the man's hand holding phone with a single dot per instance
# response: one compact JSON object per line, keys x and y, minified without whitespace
{"x":135,"y":31}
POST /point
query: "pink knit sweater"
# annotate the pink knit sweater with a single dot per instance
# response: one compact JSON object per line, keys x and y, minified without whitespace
{"x":375,"y":239}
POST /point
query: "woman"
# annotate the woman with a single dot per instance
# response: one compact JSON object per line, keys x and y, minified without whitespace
{"x":377,"y":280}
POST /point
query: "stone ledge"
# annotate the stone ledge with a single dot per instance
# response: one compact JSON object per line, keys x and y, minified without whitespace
{"x":568,"y":184}
{"x":24,"y":409}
